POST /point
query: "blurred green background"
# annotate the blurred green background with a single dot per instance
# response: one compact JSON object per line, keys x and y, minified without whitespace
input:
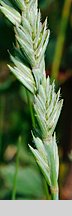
{"x":15,"y":118}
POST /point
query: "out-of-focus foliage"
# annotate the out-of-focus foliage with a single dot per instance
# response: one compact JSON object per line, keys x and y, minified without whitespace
{"x":54,"y":10}
{"x":28,"y":185}
{"x":45,"y":3}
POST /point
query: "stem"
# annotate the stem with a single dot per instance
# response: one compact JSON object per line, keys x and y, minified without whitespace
{"x":55,"y":196}
{"x":55,"y":193}
{"x":2,"y":110}
{"x":61,"y":39}
{"x":31,"y":109}
{"x":16,"y":171}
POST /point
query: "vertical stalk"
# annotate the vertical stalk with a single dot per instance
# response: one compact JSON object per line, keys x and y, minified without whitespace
{"x":55,"y":196}
{"x":55,"y":193}
{"x":61,"y":39}
{"x":16,"y":171}
{"x":2,"y":110}
{"x":31,"y":109}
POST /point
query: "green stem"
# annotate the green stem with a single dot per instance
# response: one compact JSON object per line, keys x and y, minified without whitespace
{"x":61,"y":39}
{"x":16,"y":171}
{"x":31,"y":109}
{"x":55,"y":192}
{"x":55,"y":196}
{"x":2,"y":110}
